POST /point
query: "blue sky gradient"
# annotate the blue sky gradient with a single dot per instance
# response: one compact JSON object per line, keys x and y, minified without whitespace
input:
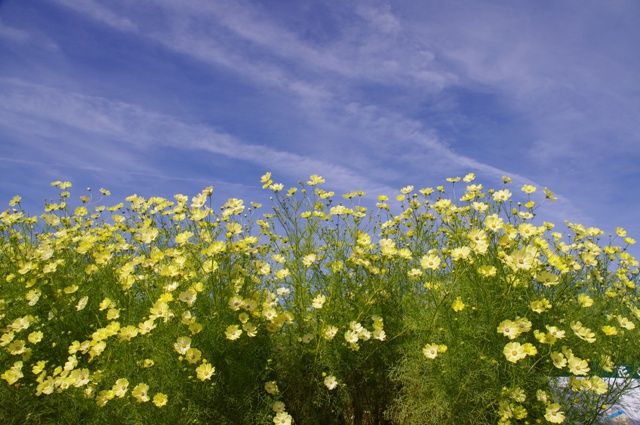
{"x":159,"y":97}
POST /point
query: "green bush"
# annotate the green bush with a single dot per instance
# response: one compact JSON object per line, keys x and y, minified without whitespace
{"x":431,"y":309}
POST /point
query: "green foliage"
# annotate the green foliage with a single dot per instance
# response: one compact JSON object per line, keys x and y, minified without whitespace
{"x":448,"y":310}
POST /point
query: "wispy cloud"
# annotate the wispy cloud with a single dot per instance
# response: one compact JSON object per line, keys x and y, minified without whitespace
{"x":374,"y":123}
{"x":20,"y":36}
{"x":144,"y":130}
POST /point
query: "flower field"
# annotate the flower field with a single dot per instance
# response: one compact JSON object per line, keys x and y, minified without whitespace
{"x":440,"y":305}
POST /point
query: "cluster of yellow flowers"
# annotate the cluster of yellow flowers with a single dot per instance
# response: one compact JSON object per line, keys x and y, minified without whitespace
{"x":179,"y":270}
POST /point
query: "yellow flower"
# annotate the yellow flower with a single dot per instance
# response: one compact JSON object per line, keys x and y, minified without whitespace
{"x":598,"y":385}
{"x":233,"y":332}
{"x":540,"y":305}
{"x":128,"y":332}
{"x":139,"y":392}
{"x":460,"y":253}
{"x":330,"y":382}
{"x":329,"y":332}
{"x":82,"y":303}
{"x":430,"y":261}
{"x":318,"y":301}
{"x":528,"y":189}
{"x":458,"y":305}
{"x":578,"y":366}
{"x":113,"y":313}
{"x":271,"y":387}
{"x":585,"y":300}
{"x":183,"y":238}
{"x":105,"y":303}
{"x":160,"y":399}
{"x":101,"y":399}
{"x":469,"y":178}
{"x":430,"y":351}
{"x":609,"y":330}
{"x":266,"y":179}
{"x":120,"y":387}
{"x":583,"y":332}
{"x":182,"y":344}
{"x":13,"y":374}
{"x":493,"y":222}
{"x":626,"y":323}
{"x":308,"y":259}
{"x":70,"y":289}
{"x":509,"y":329}
{"x":530,"y":349}
{"x":282,"y":418}
{"x":542,"y":396}
{"x":544,"y":338}
{"x":250,"y":329}
{"x":502,"y":195}
{"x":35,"y":337}
{"x":205,"y":371}
{"x":514,"y":352}
{"x":487,"y":271}
{"x":553,"y":414}
{"x":278,"y":406}
{"x":38,"y":367}
{"x":193,"y":355}
{"x":314,"y":180}
{"x":555,"y":331}
{"x":17,"y":347}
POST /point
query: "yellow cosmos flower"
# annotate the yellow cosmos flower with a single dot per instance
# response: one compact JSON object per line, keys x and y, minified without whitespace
{"x":514,"y":352}
{"x":315,"y":180}
{"x":205,"y":371}
{"x":583,"y":332}
{"x":13,"y":374}
{"x":233,"y":332}
{"x":120,"y":387}
{"x":585,"y":300}
{"x":193,"y":355}
{"x":318,"y":301}
{"x":458,"y":305}
{"x":502,"y":195}
{"x":430,"y":351}
{"x":626,"y":323}
{"x":38,"y":367}
{"x":553,"y":414}
{"x":271,"y":387}
{"x":282,"y":418}
{"x":430,"y":261}
{"x":540,"y":305}
{"x":578,"y":366}
{"x":35,"y":337}
{"x":487,"y":271}
{"x":160,"y":399}
{"x":330,"y":382}
{"x":182,"y":344}
{"x":139,"y":392}
{"x":82,"y":303}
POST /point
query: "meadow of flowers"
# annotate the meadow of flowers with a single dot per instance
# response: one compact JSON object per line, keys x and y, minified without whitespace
{"x":444,"y":305}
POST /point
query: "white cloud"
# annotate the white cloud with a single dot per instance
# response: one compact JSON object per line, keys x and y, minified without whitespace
{"x":377,"y":49}
{"x":22,"y":36}
{"x":144,"y":130}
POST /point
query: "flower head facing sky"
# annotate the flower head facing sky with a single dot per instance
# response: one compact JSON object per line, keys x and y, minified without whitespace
{"x":481,"y":91}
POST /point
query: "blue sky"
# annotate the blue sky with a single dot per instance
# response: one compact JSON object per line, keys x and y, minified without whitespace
{"x":164,"y":96}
